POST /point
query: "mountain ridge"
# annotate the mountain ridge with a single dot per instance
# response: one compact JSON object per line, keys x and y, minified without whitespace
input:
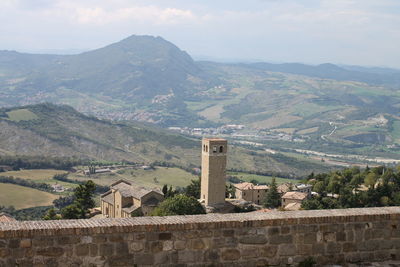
{"x":61,"y":131}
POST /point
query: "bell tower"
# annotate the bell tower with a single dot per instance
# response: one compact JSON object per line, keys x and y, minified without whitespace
{"x":213,"y":171}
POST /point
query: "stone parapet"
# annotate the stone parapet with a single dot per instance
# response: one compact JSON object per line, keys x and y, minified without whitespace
{"x":245,"y":239}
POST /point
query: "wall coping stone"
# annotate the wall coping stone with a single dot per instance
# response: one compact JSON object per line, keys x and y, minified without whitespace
{"x":194,"y":222}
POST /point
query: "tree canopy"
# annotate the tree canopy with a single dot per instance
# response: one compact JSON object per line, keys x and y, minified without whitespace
{"x":83,"y":201}
{"x":179,"y":205}
{"x":272,"y":198}
{"x":353,"y":187}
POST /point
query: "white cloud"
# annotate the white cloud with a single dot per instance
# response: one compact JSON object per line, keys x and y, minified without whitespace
{"x":285,"y":30}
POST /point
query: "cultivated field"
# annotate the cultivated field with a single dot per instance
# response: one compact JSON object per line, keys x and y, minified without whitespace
{"x":23,"y":197}
{"x":39,"y":176}
{"x":21,"y":115}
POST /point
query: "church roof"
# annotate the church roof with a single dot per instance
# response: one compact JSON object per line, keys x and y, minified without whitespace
{"x":250,"y":186}
{"x":4,"y":217}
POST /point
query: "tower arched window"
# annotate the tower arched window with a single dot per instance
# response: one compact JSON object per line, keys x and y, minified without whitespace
{"x":221,"y":149}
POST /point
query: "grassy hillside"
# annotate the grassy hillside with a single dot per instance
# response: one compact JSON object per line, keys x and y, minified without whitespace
{"x":62,"y":131}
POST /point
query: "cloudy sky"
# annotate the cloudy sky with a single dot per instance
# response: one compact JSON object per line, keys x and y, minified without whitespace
{"x":363,"y":32}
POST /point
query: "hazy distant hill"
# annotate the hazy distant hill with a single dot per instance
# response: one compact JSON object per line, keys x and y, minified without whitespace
{"x":141,"y":76}
{"x":144,"y":78}
{"x":52,"y":130}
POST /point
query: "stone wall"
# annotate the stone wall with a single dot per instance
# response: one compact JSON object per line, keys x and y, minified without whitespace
{"x":252,"y":239}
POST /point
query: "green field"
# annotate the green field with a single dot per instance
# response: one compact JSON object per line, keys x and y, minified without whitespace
{"x":39,"y":176}
{"x":24,"y":197}
{"x":260,"y":178}
{"x":396,"y":131}
{"x":21,"y":115}
{"x":146,"y":178}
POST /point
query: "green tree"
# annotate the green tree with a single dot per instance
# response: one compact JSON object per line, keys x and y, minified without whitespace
{"x":370,"y":180}
{"x":272,"y":198}
{"x":84,"y":195}
{"x":51,"y":215}
{"x":73,"y":211}
{"x":83,"y":201}
{"x":193,"y":189}
{"x":179,"y":205}
{"x":165,"y":190}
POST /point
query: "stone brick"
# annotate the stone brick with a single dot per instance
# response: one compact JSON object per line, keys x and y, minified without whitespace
{"x":121,"y":248}
{"x":253,"y":239}
{"x":86,"y":239}
{"x":382,"y":255}
{"x":18,"y":253}
{"x":285,"y":230}
{"x":370,"y":245}
{"x":304,"y":249}
{"x":310,"y":238}
{"x":268,"y":251}
{"x":250,"y":252}
{"x":136,"y":246}
{"x":3,"y":244}
{"x":229,"y":233}
{"x":340,"y":236}
{"x":329,"y":237}
{"x":14,"y":243}
{"x":281,"y":239}
{"x":165,"y":236}
{"x":211,"y":255}
{"x":25,"y":243}
{"x":186,"y":256}
{"x":161,"y":258}
{"x":230,"y":254}
{"x":50,"y":252}
{"x":4,"y":252}
{"x":333,"y":248}
{"x":156,"y":246}
{"x":206,"y":233}
{"x":144,"y":259}
{"x":68,"y":240}
{"x":349,"y":235}
{"x":116,"y":238}
{"x":99,"y":239}
{"x":82,"y":250}
{"x":106,"y":249}
{"x":287,"y":250}
{"x":179,"y":245}
{"x":125,"y":260}
{"x":273,"y":231}
{"x":197,"y":244}
{"x":304,"y":228}
{"x":93,"y":249}
{"x":349,"y":247}
{"x":140,"y":236}
{"x":24,"y":262}
{"x":168,"y":245}
{"x":52,"y":262}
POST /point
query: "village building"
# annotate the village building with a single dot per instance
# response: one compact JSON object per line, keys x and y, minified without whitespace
{"x":284,"y":188}
{"x":304,"y":188}
{"x":4,"y":217}
{"x":97,"y":171}
{"x":58,"y":188}
{"x":126,"y":200}
{"x":250,"y":192}
{"x":292,"y":198}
